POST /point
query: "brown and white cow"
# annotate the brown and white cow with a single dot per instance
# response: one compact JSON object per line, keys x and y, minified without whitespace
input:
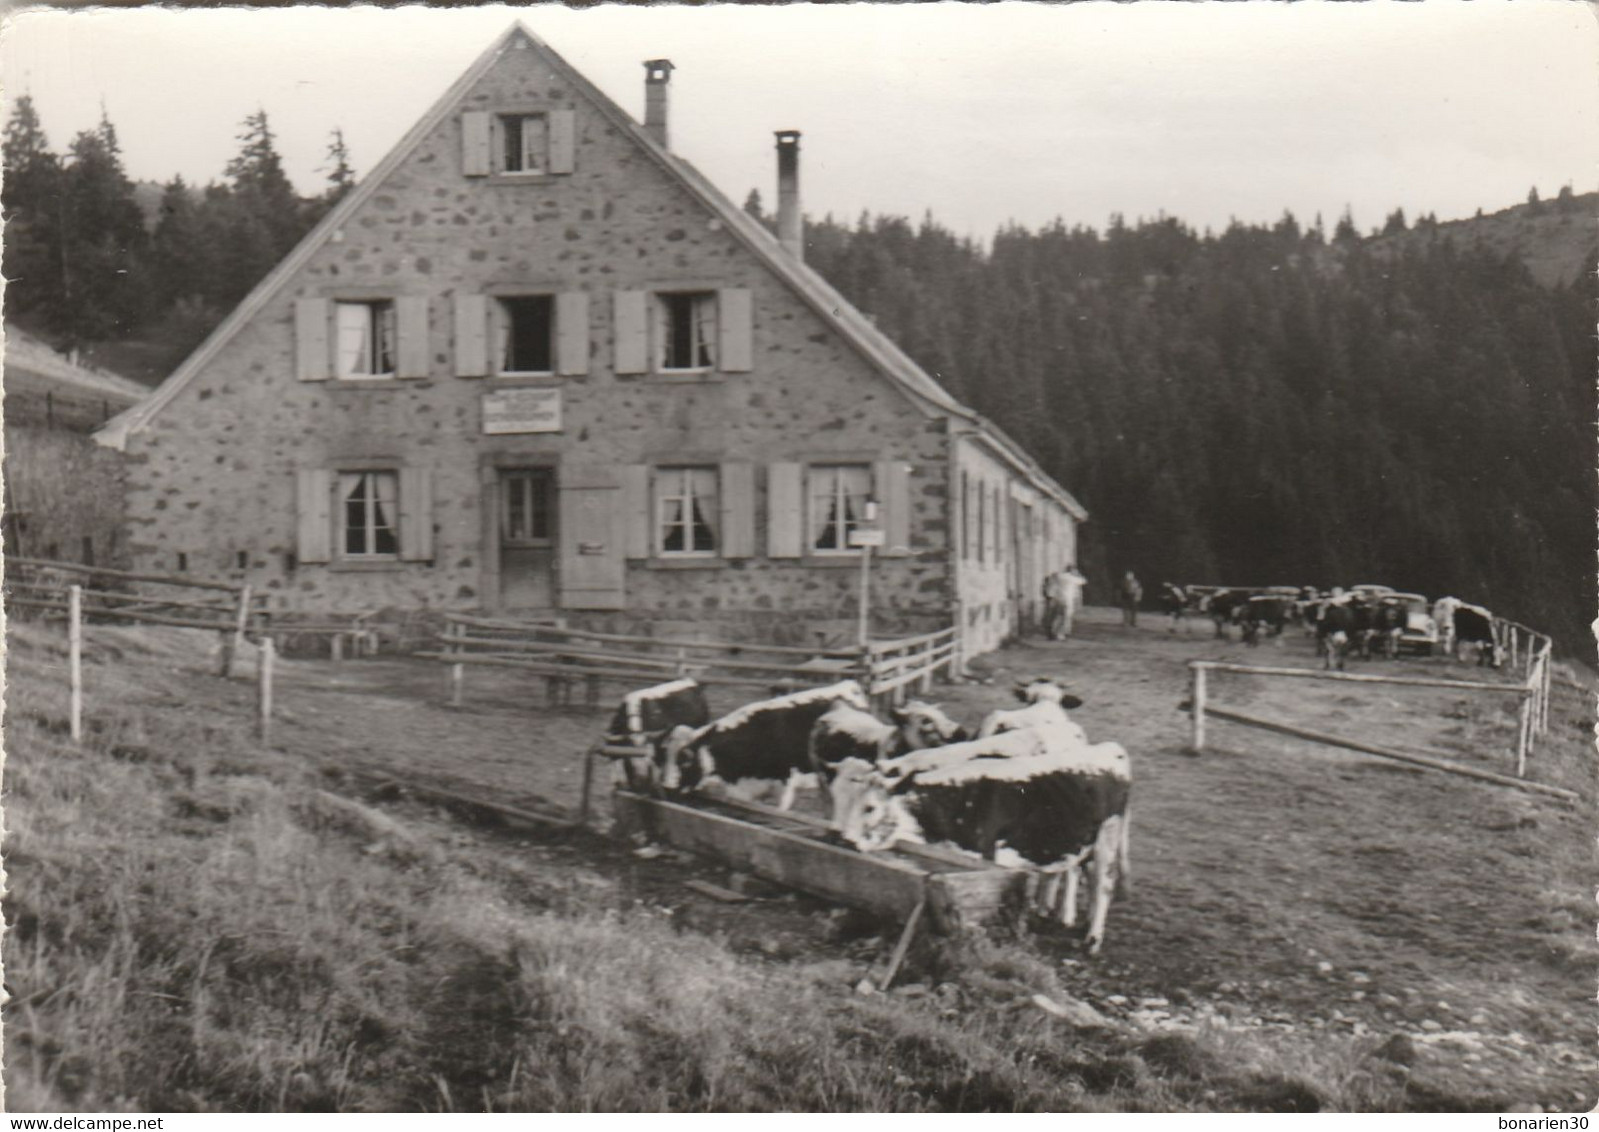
{"x":846,"y":732}
{"x":1053,"y":811}
{"x":1047,"y":703}
{"x":760,"y":746}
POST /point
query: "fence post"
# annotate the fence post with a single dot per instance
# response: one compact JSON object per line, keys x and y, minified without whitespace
{"x":457,"y":671}
{"x":1523,"y":733}
{"x":1548,"y":647}
{"x":75,"y":661}
{"x":264,"y":671}
{"x":1197,"y":696}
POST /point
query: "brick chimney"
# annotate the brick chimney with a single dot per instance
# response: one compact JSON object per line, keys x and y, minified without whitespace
{"x":657,"y":76}
{"x":790,"y":228}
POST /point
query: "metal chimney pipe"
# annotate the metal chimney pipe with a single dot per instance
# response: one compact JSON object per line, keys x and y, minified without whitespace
{"x":790,"y":226}
{"x":657,"y":76}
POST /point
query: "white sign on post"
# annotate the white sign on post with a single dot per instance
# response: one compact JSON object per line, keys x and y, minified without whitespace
{"x":868,"y":536}
{"x":510,"y":411}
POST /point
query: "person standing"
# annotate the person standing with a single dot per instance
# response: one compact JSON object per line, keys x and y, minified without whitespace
{"x":1072,"y":584}
{"x":1054,"y":605}
{"x":1131,"y":594}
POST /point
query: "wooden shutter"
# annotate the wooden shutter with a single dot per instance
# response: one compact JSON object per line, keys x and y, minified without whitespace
{"x":738,"y":510}
{"x":563,"y":140}
{"x":891,"y":484}
{"x":471,"y":335}
{"x":416,"y":514}
{"x":593,"y":568}
{"x":572,"y":333}
{"x":411,"y":318}
{"x":313,"y":360}
{"x":733,"y":314}
{"x":631,"y":332}
{"x":313,"y":493}
{"x":785,"y":510}
{"x":475,"y":143}
{"x":636,"y":506}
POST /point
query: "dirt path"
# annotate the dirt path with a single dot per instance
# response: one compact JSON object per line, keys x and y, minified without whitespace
{"x":1277,"y":884}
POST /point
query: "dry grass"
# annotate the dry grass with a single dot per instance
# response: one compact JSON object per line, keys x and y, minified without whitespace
{"x":190,"y":930}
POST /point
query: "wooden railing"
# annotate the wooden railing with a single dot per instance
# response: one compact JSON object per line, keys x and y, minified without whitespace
{"x":1532,"y":715}
{"x":886,"y":669}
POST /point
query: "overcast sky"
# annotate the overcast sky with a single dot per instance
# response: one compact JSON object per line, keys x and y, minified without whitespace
{"x":982,"y":114}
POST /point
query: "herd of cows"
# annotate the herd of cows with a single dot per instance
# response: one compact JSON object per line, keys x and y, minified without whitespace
{"x":1028,"y":790}
{"x":1361,"y":621}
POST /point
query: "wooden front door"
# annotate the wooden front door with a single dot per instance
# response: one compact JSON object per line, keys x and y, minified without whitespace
{"x":527,"y":538}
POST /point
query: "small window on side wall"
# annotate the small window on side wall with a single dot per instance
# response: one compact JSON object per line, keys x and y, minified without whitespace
{"x":525,"y":143}
{"x":368,"y":516}
{"x":527,"y":334}
{"x":366,"y":340}
{"x":686,"y":330}
{"x":686,"y":511}
{"x":838,"y":495}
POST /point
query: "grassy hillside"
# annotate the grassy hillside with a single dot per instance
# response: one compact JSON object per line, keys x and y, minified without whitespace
{"x":198,"y":924}
{"x":1557,"y":239}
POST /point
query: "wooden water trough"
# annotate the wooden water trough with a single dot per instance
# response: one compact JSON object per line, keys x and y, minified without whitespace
{"x":958,"y":892}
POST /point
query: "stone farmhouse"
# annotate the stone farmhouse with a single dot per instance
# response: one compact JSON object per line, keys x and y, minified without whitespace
{"x":535,"y":362}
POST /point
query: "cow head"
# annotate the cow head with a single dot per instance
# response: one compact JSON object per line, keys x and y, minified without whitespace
{"x":866,"y":812}
{"x":677,"y":763}
{"x":925,"y":725}
{"x":1045,"y":689}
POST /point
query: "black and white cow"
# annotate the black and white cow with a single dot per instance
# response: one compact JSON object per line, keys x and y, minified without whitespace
{"x":1053,"y":812}
{"x":1174,"y":603}
{"x":1335,"y":633}
{"x":1388,"y":621}
{"x":1047,"y":702}
{"x":846,"y":732}
{"x":759,"y":746}
{"x":646,"y":715}
{"x":1226,"y":608}
{"x":1264,"y":611}
{"x":1474,"y":625}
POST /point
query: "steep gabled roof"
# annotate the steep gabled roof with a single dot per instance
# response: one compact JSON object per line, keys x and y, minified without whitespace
{"x":827,"y":303}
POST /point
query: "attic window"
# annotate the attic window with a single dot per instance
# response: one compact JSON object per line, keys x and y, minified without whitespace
{"x":687,"y":329}
{"x":366,"y":338}
{"x":525,"y":143}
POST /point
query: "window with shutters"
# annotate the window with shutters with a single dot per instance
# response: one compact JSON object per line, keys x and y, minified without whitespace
{"x":686,"y":330}
{"x":526,"y":333}
{"x":368,"y":515}
{"x":686,"y":511}
{"x":838,"y":495}
{"x":365,"y":339}
{"x":524,"y":143}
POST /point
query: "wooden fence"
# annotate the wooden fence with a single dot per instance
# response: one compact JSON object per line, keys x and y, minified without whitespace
{"x":566,"y":657}
{"x":1532,"y":716}
{"x":44,"y":588}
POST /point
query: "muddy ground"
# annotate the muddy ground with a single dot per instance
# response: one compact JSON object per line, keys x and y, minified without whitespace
{"x":1278,"y":884}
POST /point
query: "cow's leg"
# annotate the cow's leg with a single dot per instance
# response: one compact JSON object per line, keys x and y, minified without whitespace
{"x":1068,"y":905}
{"x":1124,"y":861}
{"x":1102,"y":880}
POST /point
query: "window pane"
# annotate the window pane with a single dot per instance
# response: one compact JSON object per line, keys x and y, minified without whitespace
{"x":354,"y":330}
{"x":533,"y":146}
{"x":515,"y":507}
{"x":525,"y":334}
{"x":704,"y":329}
{"x":838,"y":496}
{"x":512,"y":129}
{"x":385,"y":323}
{"x":538,"y":486}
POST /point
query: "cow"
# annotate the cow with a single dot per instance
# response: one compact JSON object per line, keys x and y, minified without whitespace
{"x":1174,"y":603}
{"x":1225,"y":608}
{"x":1474,"y":625}
{"x":761,"y":745}
{"x":1335,"y":633}
{"x":1268,"y":611}
{"x":1388,"y":621}
{"x":1052,"y":812}
{"x":1047,"y":704}
{"x":646,"y":715}
{"x":846,"y":732}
